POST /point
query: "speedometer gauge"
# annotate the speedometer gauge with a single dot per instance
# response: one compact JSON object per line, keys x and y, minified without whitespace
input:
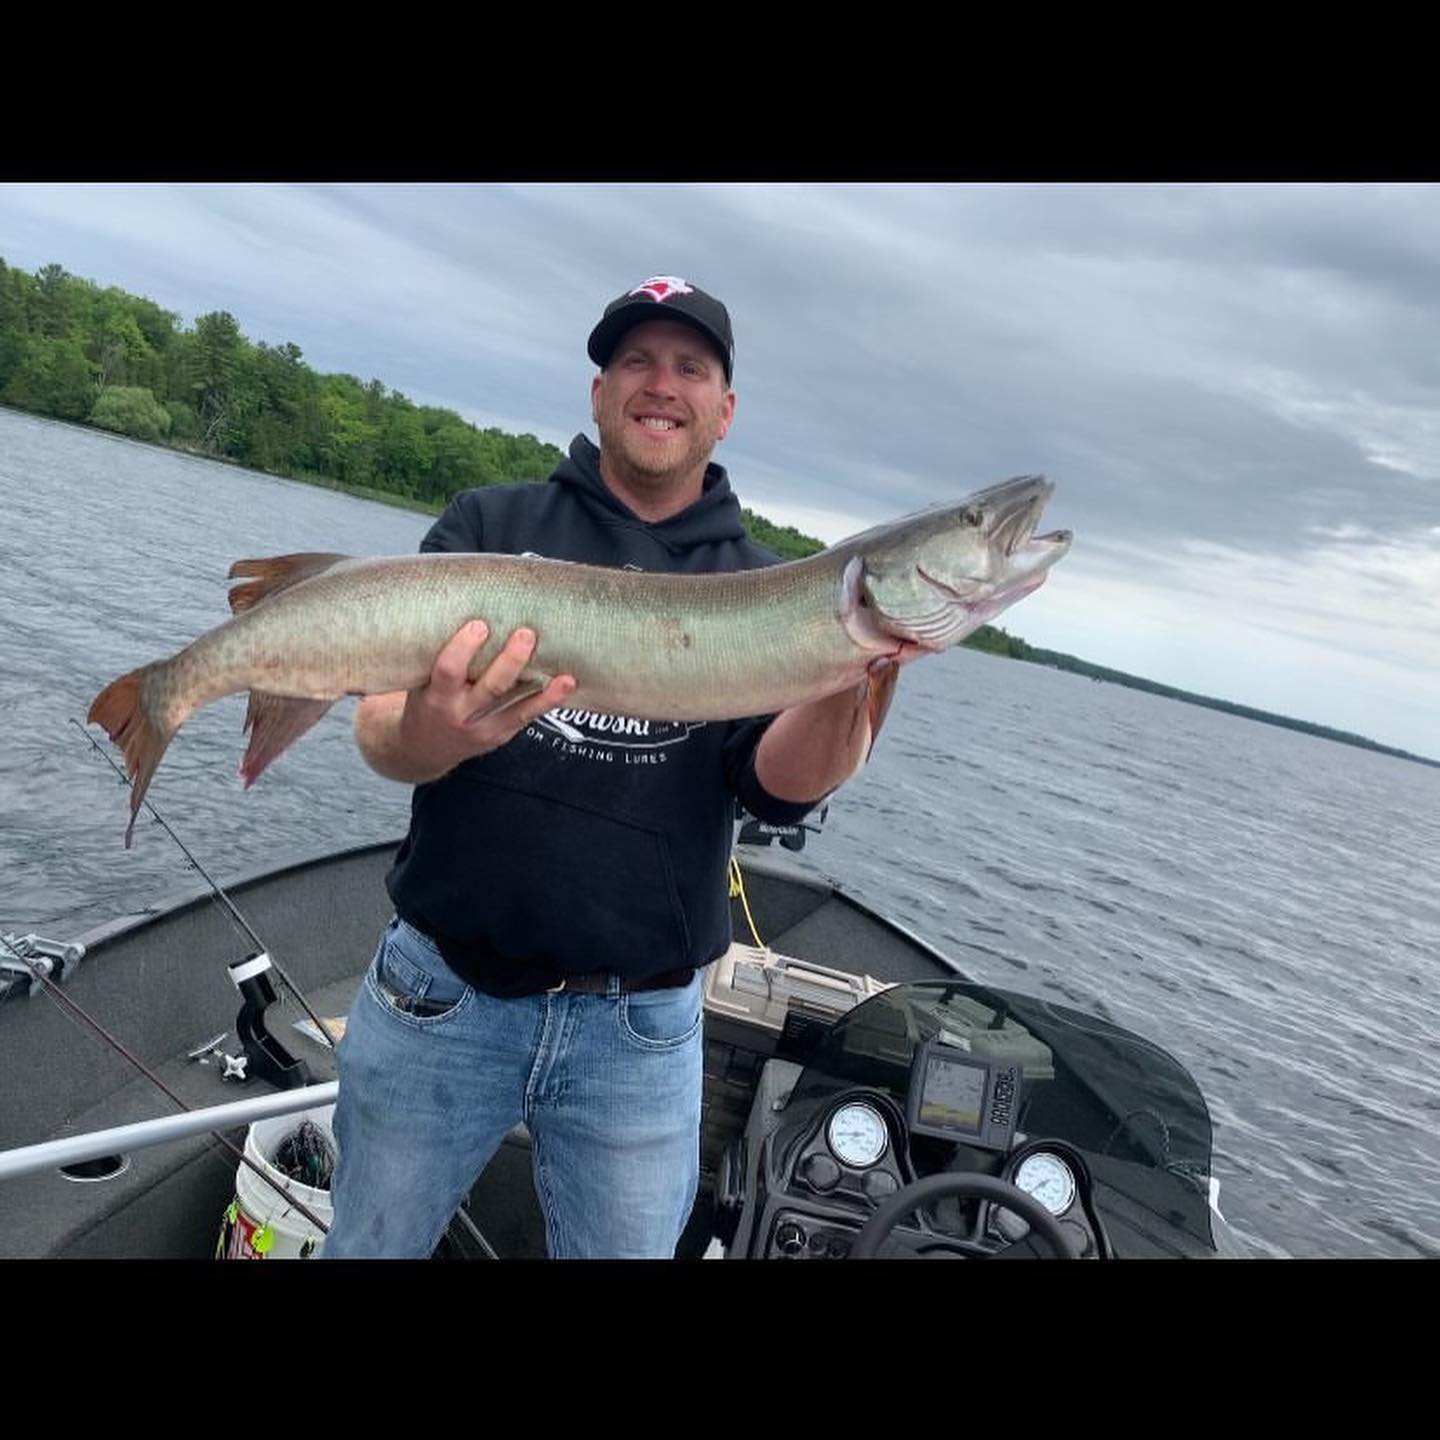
{"x":857,"y":1135}
{"x":1047,"y":1178}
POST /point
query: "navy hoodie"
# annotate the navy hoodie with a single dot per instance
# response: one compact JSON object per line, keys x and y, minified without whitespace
{"x":588,"y":842}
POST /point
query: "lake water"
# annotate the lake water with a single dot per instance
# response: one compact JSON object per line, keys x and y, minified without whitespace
{"x":1261,"y":903}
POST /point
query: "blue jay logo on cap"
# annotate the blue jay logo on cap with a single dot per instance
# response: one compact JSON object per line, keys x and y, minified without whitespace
{"x":662,"y":287}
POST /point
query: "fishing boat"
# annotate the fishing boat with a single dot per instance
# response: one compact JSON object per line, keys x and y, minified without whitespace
{"x":862,"y":1096}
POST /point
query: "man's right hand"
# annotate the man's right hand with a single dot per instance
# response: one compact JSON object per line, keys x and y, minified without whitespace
{"x":419,"y":735}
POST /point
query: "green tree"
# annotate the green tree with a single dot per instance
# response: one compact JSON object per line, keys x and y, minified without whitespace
{"x":53,"y":301}
{"x":131,"y":410}
{"x":785,"y":540}
{"x":53,"y":377}
{"x":116,"y":346}
{"x":159,"y":327}
{"x":457,"y":458}
{"x":13,"y":349}
{"x":184,"y":422}
{"x":403,"y":454}
{"x":347,"y":449}
{"x":14,"y":288}
{"x":216,"y":392}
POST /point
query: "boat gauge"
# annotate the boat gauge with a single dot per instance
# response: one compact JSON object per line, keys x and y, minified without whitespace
{"x":1048,"y":1179}
{"x":857,"y":1134}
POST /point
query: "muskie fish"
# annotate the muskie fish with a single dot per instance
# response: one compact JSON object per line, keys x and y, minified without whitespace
{"x":309,"y":629}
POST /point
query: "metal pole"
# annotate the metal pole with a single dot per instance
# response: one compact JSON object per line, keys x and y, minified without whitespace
{"x":51,"y":1154}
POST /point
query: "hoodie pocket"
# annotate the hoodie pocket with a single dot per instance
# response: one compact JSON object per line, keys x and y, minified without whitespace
{"x":545,"y":881}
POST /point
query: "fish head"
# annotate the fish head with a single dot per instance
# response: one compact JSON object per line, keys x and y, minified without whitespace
{"x":936,"y":577}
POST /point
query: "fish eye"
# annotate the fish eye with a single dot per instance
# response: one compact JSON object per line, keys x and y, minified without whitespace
{"x":971,"y":515}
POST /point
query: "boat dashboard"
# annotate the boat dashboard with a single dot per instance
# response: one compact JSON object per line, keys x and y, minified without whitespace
{"x":945,"y":1120}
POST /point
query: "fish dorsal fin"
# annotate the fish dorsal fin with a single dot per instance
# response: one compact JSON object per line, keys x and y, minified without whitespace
{"x":278,"y":573}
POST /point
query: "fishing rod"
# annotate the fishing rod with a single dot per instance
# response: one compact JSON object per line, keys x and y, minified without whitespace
{"x":218,"y":893}
{"x":61,"y":998}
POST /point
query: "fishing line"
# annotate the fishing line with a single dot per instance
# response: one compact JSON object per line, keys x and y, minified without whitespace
{"x":248,"y":930}
{"x":217,"y":893}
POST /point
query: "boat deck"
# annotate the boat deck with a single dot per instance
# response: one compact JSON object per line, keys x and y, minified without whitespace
{"x":159,"y":983}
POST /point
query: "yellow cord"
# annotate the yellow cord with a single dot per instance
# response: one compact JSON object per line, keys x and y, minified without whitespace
{"x":737,"y":887}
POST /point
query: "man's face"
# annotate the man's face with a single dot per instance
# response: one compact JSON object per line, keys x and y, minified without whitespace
{"x":661,"y":404}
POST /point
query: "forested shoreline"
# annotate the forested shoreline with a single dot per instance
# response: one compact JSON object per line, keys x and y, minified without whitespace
{"x":73,"y":350}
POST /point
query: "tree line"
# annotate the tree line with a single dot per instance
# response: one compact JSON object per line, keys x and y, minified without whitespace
{"x":74,"y":350}
{"x":101,"y":356}
{"x":1017,"y":649}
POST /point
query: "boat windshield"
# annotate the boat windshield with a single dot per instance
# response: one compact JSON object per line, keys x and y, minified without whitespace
{"x":1133,"y":1112}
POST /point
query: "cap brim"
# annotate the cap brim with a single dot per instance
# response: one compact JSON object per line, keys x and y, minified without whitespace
{"x":606,"y":335}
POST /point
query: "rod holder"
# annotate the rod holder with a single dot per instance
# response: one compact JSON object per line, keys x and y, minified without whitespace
{"x":268,"y":1058}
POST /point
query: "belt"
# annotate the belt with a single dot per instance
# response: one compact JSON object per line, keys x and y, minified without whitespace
{"x":598,"y":983}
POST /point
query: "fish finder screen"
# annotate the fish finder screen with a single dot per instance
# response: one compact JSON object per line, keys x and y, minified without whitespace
{"x":954,"y":1094}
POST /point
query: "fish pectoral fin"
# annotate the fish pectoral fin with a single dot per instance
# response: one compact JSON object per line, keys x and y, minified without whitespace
{"x":516,"y":696}
{"x":277,"y":573}
{"x":883,"y":676}
{"x":274,"y":723}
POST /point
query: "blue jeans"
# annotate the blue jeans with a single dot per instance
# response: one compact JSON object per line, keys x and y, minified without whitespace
{"x":608,"y":1085}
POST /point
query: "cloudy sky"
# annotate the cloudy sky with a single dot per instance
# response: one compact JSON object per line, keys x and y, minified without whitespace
{"x":1234,"y":387}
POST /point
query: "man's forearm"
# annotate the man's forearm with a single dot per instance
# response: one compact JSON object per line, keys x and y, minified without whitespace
{"x":377,"y":733}
{"x":812,"y":749}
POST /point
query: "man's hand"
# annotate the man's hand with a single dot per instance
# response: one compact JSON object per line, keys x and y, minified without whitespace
{"x":419,"y":735}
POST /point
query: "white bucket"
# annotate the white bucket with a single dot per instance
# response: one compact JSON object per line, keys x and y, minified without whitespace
{"x":262,"y":1223}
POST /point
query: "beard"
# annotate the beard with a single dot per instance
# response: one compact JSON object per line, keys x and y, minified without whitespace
{"x":648,"y":465}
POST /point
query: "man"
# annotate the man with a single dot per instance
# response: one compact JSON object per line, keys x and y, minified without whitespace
{"x":562,"y":885}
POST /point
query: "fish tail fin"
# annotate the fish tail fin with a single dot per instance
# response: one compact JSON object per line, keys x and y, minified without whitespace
{"x":274,"y":723}
{"x":128,"y":711}
{"x":277,"y":573}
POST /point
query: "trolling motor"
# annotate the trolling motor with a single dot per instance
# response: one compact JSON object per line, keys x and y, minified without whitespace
{"x":762,"y":832}
{"x":265,"y":1056}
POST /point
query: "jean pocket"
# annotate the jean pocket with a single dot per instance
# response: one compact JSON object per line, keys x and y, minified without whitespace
{"x":410,"y":979}
{"x":662,"y":1019}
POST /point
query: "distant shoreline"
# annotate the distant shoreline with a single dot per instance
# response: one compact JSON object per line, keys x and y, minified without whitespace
{"x":992,"y":640}
{"x":1057,"y":661}
{"x":320,"y":482}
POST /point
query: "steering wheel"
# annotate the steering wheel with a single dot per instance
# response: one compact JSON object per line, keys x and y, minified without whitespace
{"x":933,"y":1187}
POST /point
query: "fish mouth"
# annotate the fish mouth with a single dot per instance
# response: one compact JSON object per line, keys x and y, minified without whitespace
{"x":1028,"y":558}
{"x":1041,"y":551}
{"x":1012,"y":510}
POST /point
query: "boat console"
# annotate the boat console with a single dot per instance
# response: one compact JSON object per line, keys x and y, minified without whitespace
{"x":944,"y":1119}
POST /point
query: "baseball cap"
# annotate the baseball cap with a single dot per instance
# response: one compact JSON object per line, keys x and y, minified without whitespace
{"x":664,"y":297}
